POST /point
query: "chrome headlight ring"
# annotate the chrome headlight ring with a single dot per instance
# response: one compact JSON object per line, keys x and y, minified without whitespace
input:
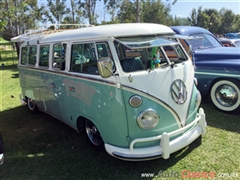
{"x":148,"y":119}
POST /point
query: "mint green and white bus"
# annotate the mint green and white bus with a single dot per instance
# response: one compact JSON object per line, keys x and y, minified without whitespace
{"x":130,"y":87}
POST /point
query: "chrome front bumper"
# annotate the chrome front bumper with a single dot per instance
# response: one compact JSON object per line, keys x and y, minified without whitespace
{"x":166,"y":146}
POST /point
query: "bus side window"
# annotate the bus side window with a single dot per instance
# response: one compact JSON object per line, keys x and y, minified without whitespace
{"x":24,"y":55}
{"x":58,"y":57}
{"x":103,"y":50}
{"x":83,"y":59}
{"x":32,"y":55}
{"x":44,"y":56}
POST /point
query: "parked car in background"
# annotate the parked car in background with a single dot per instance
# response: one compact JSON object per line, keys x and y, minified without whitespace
{"x":217,"y":67}
{"x":232,"y":35}
{"x":1,"y":150}
{"x":230,"y":42}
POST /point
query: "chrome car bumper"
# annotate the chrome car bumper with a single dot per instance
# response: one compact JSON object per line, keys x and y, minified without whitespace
{"x":166,"y":147}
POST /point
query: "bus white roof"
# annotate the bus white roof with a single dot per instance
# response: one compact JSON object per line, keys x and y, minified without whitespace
{"x":103,"y":31}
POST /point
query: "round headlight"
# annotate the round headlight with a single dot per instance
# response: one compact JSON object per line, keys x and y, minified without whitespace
{"x":198,"y":98}
{"x":148,"y":119}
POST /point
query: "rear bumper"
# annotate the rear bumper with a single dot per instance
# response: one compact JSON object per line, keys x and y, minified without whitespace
{"x":166,"y":147}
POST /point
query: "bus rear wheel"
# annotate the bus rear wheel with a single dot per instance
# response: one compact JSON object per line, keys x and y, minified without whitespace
{"x":93,"y":135}
{"x":32,"y":106}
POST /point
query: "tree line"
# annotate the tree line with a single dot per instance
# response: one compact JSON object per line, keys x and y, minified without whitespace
{"x":20,"y":15}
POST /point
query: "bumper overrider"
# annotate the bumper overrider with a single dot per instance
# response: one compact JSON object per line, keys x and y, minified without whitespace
{"x":166,"y":147}
{"x":1,"y":158}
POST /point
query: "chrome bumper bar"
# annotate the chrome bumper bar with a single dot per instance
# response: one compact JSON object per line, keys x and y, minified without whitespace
{"x":166,"y":147}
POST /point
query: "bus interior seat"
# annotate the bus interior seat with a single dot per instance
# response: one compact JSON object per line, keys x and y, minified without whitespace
{"x":132,"y":64}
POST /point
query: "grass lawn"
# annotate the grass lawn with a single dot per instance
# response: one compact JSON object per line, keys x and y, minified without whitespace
{"x":39,"y":147}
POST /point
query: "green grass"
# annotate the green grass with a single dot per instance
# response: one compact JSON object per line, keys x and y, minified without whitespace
{"x":39,"y":147}
{"x":8,"y":57}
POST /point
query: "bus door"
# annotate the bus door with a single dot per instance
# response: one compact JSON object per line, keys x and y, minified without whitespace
{"x":48,"y":79}
{"x":29,"y":78}
{"x":93,"y":97}
{"x":80,"y":85}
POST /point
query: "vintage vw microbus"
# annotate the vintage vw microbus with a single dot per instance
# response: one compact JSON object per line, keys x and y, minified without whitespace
{"x":130,"y":87}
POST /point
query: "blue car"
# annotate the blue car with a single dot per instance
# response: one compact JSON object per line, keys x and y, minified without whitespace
{"x":217,"y":67}
{"x":232,"y":35}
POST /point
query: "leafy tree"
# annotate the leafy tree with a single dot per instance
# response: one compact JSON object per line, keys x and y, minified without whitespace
{"x":57,"y":9}
{"x":73,"y":7}
{"x":3,"y":24}
{"x":111,"y":7}
{"x":178,"y":21}
{"x":213,"y":20}
{"x":154,"y":11}
{"x":227,"y":20}
{"x":193,"y":18}
{"x":3,"y":21}
{"x":127,"y":12}
{"x":18,"y":15}
{"x":236,"y":24}
{"x":217,"y":22}
{"x":198,"y":17}
{"x":88,"y":10}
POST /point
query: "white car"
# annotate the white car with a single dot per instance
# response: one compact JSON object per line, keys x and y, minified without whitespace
{"x":230,"y":42}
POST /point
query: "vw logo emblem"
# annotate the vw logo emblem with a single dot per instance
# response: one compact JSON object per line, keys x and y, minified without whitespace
{"x":179,"y":91}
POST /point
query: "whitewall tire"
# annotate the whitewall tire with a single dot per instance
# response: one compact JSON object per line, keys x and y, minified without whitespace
{"x":225,"y":95}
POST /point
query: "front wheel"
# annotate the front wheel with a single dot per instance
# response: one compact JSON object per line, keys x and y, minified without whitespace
{"x":225,"y":95}
{"x":32,"y":106}
{"x":93,"y":135}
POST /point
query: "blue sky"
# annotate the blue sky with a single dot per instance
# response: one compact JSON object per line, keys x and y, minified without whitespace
{"x":183,"y":8}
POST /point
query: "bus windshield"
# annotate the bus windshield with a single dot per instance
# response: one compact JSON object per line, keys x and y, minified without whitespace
{"x":143,"y":53}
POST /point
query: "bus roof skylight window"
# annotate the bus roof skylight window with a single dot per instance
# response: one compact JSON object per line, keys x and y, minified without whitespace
{"x":145,"y":42}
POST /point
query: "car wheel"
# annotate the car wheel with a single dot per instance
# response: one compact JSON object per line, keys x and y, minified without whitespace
{"x":93,"y":135}
{"x":32,"y":106}
{"x":225,"y":95}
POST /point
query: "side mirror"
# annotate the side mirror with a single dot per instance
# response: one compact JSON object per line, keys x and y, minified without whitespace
{"x":105,"y":67}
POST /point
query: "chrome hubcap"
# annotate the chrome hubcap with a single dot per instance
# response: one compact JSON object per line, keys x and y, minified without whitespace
{"x":226,"y":95}
{"x":93,"y":134}
{"x":31,"y":104}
